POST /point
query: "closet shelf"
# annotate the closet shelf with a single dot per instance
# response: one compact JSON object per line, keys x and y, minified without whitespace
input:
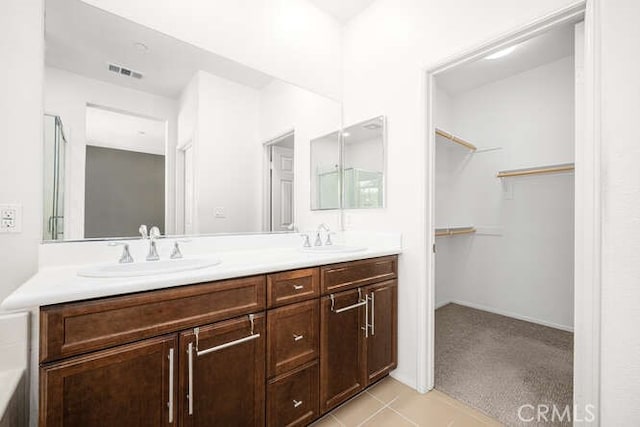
{"x":565,"y":167}
{"x":455,"y":139}
{"x":453,"y":231}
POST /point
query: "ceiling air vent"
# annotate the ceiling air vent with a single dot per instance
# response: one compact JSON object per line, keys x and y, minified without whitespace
{"x":124,"y":71}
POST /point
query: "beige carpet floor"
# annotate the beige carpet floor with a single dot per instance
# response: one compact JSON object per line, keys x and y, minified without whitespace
{"x":496,"y":363}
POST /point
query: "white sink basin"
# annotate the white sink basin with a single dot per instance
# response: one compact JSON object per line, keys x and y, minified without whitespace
{"x":148,"y":268}
{"x":333,"y":249}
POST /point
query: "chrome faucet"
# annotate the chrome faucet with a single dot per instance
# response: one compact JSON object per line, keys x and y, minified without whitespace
{"x":327,"y":230}
{"x":126,"y":257}
{"x":154,"y":233}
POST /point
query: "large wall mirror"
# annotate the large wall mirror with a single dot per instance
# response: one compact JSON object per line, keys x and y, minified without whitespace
{"x":142,"y":128}
{"x":348,"y":167}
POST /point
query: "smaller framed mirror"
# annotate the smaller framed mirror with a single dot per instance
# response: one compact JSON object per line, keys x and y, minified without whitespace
{"x":363,"y":159}
{"x":325,"y":172}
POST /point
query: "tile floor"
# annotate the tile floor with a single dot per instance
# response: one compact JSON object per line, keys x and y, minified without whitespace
{"x":391,"y":403}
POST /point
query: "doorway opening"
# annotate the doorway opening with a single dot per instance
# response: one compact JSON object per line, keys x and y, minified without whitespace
{"x":511,"y":163}
{"x":125,"y":173}
{"x":280,"y":189}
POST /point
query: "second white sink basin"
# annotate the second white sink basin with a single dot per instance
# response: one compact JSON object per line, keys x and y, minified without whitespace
{"x":333,"y":249}
{"x":148,"y":268}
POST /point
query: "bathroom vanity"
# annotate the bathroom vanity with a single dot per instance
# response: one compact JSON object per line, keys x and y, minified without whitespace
{"x":273,"y":349}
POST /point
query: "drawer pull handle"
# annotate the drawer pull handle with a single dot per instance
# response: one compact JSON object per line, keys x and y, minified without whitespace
{"x":297,"y":337}
{"x":297,"y":403}
{"x":250,"y":337}
{"x":360,"y":303}
{"x":298,"y":287}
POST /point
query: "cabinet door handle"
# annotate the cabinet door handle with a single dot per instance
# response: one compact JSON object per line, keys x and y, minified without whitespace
{"x":190,"y":391}
{"x":170,"y":403}
{"x":298,"y":287}
{"x":366,"y":316}
{"x":373,"y":313}
{"x":297,"y":403}
{"x":297,"y":337}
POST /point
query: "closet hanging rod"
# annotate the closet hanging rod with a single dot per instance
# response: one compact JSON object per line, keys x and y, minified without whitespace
{"x":455,"y":139}
{"x":566,"y":167}
{"x":441,"y":232}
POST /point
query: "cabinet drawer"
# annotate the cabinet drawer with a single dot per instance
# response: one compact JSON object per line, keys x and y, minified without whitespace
{"x":80,"y":327}
{"x":292,"y":336}
{"x":339,"y":277}
{"x":292,"y":286}
{"x":292,"y":399}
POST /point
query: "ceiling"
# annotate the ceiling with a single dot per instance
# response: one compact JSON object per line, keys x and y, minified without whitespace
{"x":364,"y":131}
{"x":342,"y":10}
{"x":537,"y":51}
{"x":83,"y":39}
{"x":111,"y":129}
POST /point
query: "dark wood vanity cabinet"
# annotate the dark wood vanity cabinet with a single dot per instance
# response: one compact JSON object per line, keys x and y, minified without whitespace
{"x":222,"y":373}
{"x":381,"y":340}
{"x":358,"y":340}
{"x":275,"y":350}
{"x":133,"y":384}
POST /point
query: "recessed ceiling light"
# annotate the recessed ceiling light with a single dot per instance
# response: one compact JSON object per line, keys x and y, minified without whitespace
{"x":141,"y":46}
{"x":346,"y":134}
{"x":501,"y":53}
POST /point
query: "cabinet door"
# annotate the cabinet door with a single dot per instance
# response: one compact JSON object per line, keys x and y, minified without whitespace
{"x":222,"y":381}
{"x":124,"y":386}
{"x":381,"y":348}
{"x":342,"y":364}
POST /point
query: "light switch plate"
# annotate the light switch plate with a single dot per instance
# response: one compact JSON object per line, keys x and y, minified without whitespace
{"x":11,"y":218}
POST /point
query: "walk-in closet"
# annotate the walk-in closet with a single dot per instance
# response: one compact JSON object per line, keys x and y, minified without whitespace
{"x":504,"y":225}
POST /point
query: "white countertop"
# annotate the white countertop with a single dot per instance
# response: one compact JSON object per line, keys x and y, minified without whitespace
{"x":55,"y":284}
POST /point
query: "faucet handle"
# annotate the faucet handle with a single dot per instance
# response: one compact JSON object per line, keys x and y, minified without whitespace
{"x":318,"y":241}
{"x":154,"y":233}
{"x":126,"y":257}
{"x":143,"y":231}
{"x":328,"y":242}
{"x":175,"y":252}
{"x":306,"y":243}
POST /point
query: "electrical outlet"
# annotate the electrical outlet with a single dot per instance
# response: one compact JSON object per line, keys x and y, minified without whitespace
{"x":10,"y":218}
{"x":219,"y":212}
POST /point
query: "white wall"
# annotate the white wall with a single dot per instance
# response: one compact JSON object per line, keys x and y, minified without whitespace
{"x":284,"y":107}
{"x":520,"y":262}
{"x":289,"y":39}
{"x":229,"y":123}
{"x":620,"y":131}
{"x":385,"y":51}
{"x":227,"y":158}
{"x":67,"y":95}
{"x":22,"y":54}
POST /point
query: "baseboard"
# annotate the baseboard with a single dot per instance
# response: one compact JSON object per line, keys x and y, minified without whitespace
{"x":410,"y":382}
{"x":442,"y":304}
{"x":507,"y":314}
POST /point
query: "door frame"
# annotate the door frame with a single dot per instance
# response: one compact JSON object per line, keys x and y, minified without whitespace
{"x":588,"y":207}
{"x":266,"y":177}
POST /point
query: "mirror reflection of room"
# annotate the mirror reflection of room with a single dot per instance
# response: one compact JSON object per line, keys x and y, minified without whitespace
{"x":141,"y":128}
{"x":363,"y":173}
